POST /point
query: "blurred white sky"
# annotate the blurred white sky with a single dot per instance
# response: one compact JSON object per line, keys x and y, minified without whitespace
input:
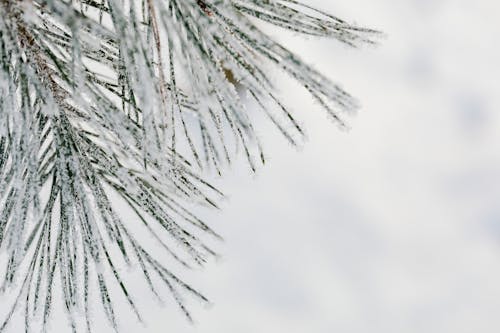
{"x":391,"y":227}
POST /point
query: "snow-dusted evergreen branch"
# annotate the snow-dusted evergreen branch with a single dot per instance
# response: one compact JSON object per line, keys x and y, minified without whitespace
{"x":132,"y":99}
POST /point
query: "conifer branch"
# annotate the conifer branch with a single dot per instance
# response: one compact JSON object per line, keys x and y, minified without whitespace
{"x":119,"y":102}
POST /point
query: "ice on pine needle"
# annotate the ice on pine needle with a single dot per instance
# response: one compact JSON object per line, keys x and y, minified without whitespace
{"x":105,"y":104}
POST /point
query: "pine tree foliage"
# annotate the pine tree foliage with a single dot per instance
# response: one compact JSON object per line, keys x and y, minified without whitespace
{"x":133,"y":99}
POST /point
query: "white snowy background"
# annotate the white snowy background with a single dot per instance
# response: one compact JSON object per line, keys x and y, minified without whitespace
{"x":393,"y":226}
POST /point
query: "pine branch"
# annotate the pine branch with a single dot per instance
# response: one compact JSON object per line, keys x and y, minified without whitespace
{"x":133,"y":100}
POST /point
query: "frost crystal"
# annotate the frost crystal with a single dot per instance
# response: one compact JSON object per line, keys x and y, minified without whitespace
{"x":123,"y":101}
